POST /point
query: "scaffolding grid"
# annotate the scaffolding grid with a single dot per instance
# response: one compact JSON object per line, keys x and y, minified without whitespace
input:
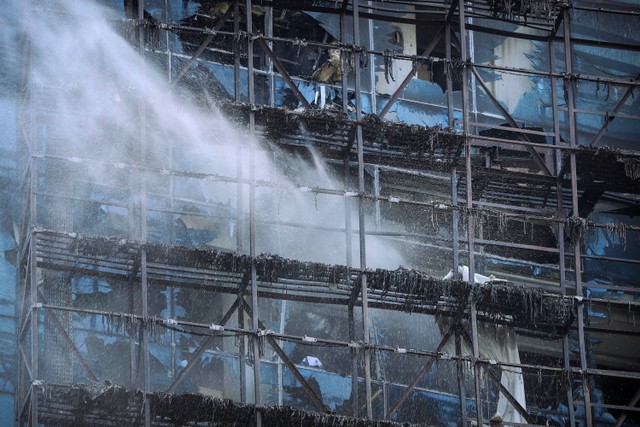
{"x":430,"y":174}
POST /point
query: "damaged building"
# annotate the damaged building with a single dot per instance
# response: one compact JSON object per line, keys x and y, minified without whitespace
{"x":320,"y":212}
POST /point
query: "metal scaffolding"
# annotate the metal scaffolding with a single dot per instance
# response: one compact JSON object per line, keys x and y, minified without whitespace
{"x":410,"y":164}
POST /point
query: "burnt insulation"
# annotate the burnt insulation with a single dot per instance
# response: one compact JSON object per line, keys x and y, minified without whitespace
{"x":418,"y":147}
{"x":510,"y":9}
{"x":604,"y":168}
{"x":436,"y":146}
{"x":93,"y":404}
{"x":412,"y":290}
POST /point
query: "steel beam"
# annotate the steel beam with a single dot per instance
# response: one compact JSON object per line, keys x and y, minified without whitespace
{"x":407,"y":391}
{"x":26,"y":282}
{"x":633,"y":402}
{"x":191,"y":363}
{"x":25,"y":360}
{"x":68,"y":340}
{"x":22,"y":406}
{"x":305,"y":385}
{"x":202,"y":47}
{"x":283,"y":72}
{"x":416,"y":67}
{"x":288,"y":363}
{"x":556,"y":27}
{"x":507,"y":394}
{"x":536,"y":157}
{"x":272,"y":56}
{"x":414,"y":70}
{"x":25,"y":312}
{"x":611,"y":117}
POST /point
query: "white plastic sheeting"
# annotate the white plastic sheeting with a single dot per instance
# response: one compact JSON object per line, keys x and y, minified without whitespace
{"x":499,"y":343}
{"x":312,"y":361}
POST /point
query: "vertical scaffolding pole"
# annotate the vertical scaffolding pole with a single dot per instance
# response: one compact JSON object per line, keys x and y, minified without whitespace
{"x":465,"y":114}
{"x":460,"y":374}
{"x":241,"y":356}
{"x":172,"y":290}
{"x":346,"y":169}
{"x":571,"y":102}
{"x":447,"y":43}
{"x":566,"y":353}
{"x":236,"y":53}
{"x":132,"y":235}
{"x":349,"y":228}
{"x":239,"y":229}
{"x":455,"y":236}
{"x":33,"y":241}
{"x":560,"y":214}
{"x":169,"y":54}
{"x":143,"y":227}
{"x":376,"y":192}
{"x":361,"y":216}
{"x":268,"y":29}
{"x":372,"y":66}
{"x":145,"y":338}
{"x":455,"y":233}
{"x":470,"y":218}
{"x":34,"y":328}
{"x":252,"y":222}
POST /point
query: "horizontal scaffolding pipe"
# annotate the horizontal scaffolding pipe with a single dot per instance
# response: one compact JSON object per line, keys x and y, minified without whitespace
{"x":310,"y":340}
{"x":443,"y":206}
{"x":70,"y":262}
{"x":419,"y":58}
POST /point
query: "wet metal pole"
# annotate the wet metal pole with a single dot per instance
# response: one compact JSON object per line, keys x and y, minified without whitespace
{"x":470,"y":219}
{"x":570,"y":93}
{"x":239,"y":229}
{"x":361,"y":225}
{"x":455,"y":236}
{"x":460,"y":374}
{"x":348,"y":226}
{"x":560,"y":213}
{"x":143,"y":226}
{"x":172,"y":289}
{"x":252,"y":221}
{"x":32,"y":222}
{"x":132,"y":230}
{"x":268,"y":26}
{"x":34,"y":328}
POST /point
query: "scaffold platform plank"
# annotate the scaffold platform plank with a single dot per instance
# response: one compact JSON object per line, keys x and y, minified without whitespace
{"x":280,"y":278}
